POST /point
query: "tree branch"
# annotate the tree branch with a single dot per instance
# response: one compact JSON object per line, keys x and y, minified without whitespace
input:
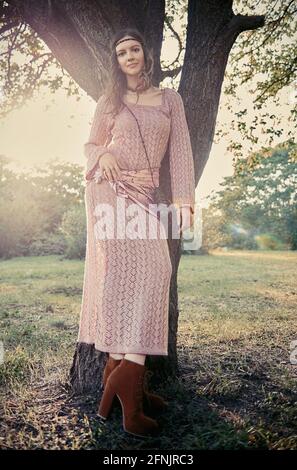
{"x":240,"y":23}
{"x":170,"y":73}
{"x":274,"y":24}
{"x":176,"y":35}
{"x":9,"y":26}
{"x":283,"y":77}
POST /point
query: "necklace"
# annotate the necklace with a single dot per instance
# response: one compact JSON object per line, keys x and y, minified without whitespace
{"x":132,"y":92}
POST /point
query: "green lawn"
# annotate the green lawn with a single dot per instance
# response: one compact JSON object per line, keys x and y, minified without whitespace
{"x":237,"y":389}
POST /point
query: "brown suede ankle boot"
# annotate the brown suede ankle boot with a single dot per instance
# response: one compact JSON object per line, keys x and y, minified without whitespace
{"x":126,"y":382}
{"x":110,"y":365}
{"x":152,"y":403}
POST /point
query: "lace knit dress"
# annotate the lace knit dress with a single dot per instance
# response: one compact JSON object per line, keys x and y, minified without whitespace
{"x":126,"y":283}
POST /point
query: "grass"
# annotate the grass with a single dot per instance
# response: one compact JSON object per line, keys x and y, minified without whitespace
{"x":237,"y":388}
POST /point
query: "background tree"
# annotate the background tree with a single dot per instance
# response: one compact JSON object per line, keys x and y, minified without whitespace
{"x":32,"y":207}
{"x":257,"y":206}
{"x":74,"y":229}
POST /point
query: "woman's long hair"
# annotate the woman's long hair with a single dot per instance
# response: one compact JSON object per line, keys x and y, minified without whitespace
{"x":116,"y":85}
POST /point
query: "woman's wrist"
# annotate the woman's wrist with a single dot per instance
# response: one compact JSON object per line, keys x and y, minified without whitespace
{"x":180,"y":205}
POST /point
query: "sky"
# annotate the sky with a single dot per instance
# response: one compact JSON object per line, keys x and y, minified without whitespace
{"x":57,"y":126}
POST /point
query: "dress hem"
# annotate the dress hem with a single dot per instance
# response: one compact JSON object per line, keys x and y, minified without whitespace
{"x":130,"y":351}
{"x":124,"y":351}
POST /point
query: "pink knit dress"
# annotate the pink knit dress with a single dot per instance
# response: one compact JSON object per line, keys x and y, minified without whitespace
{"x":125,"y":298}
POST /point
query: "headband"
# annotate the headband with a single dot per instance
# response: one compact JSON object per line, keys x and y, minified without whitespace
{"x":127,"y":39}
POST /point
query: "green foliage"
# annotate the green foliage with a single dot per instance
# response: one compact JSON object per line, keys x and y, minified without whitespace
{"x":27,"y":65}
{"x":264,"y":62}
{"x":16,"y":367}
{"x":74,"y":229}
{"x":32,"y":207}
{"x":268,"y":241}
{"x":48,"y":243}
{"x":257,"y":207}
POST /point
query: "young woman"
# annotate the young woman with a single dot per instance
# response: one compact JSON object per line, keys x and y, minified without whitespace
{"x":126,"y":283}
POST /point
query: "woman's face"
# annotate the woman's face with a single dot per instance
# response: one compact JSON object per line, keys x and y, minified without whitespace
{"x":130,"y":52}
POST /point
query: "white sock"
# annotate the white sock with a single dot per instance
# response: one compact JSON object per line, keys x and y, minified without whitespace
{"x":138,"y":358}
{"x":116,"y":356}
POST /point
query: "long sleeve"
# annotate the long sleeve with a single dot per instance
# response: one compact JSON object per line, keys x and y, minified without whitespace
{"x":95,"y":147}
{"x":180,"y":154}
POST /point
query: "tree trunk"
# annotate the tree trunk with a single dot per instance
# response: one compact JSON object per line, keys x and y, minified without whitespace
{"x":78,"y":33}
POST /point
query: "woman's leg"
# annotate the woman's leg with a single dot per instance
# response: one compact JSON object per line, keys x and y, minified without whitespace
{"x":139,"y":358}
{"x":116,"y":355}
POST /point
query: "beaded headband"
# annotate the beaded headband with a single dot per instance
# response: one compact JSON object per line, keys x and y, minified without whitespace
{"x":127,"y":39}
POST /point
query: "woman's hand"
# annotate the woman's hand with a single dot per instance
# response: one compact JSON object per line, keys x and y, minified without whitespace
{"x":108,"y":165}
{"x":186,"y":217}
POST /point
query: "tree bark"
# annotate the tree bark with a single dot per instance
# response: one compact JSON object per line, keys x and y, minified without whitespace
{"x":78,"y":33}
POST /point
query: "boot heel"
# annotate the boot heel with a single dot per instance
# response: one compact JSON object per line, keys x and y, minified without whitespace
{"x":106,"y":402}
